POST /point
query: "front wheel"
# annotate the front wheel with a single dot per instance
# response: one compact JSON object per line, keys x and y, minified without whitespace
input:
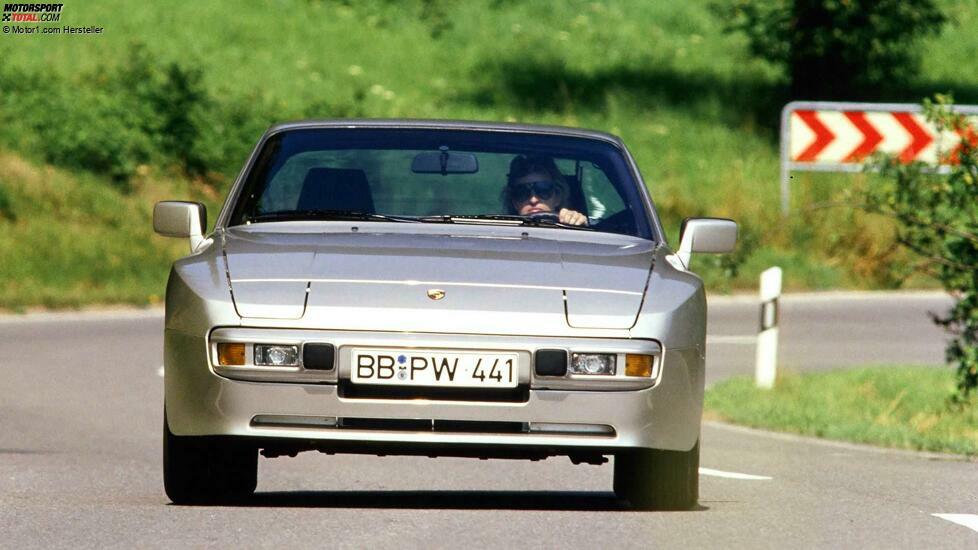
{"x":207,"y":470}
{"x":658,"y":480}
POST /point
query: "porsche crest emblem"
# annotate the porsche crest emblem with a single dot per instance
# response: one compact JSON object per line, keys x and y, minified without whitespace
{"x":436,"y":293}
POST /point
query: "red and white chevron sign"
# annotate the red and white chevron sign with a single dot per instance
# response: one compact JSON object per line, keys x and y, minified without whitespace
{"x":843,"y":136}
{"x":838,"y":137}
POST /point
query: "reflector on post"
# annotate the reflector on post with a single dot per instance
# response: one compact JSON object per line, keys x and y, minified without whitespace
{"x":765,"y":370}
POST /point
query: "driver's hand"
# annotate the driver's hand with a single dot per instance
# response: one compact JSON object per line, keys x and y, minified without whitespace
{"x":571,"y":217}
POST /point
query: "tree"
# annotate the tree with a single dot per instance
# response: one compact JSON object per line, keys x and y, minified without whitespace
{"x":836,"y":49}
{"x":937,"y":218}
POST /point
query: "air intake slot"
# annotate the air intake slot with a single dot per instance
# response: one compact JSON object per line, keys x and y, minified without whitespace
{"x":430,"y":425}
{"x":475,"y":426}
{"x":389,"y":424}
{"x":427,"y":425}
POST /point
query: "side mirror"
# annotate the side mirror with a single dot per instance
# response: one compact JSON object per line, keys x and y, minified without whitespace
{"x":181,"y":219}
{"x":706,"y":235}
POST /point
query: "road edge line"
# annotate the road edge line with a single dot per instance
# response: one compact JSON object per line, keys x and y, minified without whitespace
{"x":732,"y":475}
{"x":797,"y":438}
{"x":829,"y":296}
{"x":83,"y":315}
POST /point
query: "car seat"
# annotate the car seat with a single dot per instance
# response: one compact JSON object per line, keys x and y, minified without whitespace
{"x":336,"y":189}
{"x":576,"y":199}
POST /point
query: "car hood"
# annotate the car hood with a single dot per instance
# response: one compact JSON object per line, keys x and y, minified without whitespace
{"x":501,"y":284}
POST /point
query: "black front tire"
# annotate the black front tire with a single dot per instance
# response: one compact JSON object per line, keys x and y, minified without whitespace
{"x":658,"y":480}
{"x":207,"y":469}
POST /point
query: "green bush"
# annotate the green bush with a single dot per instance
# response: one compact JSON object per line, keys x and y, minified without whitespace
{"x":142,"y":111}
{"x":100,"y":121}
{"x":6,"y":206}
{"x":937,"y":218}
{"x":834,"y":49}
{"x":93,"y":130}
{"x":173,"y":104}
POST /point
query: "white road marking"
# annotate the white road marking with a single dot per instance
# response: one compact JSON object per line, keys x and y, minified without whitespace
{"x":968,"y":520}
{"x":159,"y":371}
{"x":812,"y":440}
{"x":731,"y":339}
{"x":121,"y":313}
{"x":830,"y":296}
{"x":731,"y":475}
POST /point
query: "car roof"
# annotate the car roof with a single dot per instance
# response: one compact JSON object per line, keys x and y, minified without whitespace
{"x":470,"y":125}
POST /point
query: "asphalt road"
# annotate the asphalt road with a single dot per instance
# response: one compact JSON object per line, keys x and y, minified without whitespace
{"x":80,"y":420}
{"x":827,"y":331}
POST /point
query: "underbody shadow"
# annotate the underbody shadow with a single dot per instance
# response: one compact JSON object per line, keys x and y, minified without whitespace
{"x":445,"y":500}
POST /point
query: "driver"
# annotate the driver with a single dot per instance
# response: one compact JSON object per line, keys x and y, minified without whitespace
{"x":535,"y":186}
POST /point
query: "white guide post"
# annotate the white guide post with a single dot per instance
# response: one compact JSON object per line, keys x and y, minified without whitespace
{"x":767,"y":339}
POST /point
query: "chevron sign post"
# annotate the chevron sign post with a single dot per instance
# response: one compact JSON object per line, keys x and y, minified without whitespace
{"x":839,"y":137}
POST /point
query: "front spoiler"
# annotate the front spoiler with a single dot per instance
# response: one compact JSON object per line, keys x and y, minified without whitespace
{"x":666,"y":416}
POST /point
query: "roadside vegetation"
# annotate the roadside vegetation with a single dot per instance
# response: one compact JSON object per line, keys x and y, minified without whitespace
{"x":69,"y":239}
{"x":937,"y":220}
{"x":167,"y":104}
{"x":907,"y":407}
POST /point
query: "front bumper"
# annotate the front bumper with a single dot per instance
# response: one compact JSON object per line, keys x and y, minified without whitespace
{"x":666,"y":415}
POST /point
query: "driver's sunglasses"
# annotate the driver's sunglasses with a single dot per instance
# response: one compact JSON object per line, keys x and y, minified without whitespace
{"x":543,"y":190}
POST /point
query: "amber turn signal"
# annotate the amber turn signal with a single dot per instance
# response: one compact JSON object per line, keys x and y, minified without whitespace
{"x":638,"y":365}
{"x":231,"y":354}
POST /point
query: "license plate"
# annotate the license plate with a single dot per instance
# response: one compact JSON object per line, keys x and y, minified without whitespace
{"x":435,"y":368}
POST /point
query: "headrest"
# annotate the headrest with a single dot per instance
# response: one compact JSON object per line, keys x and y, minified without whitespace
{"x":336,"y":189}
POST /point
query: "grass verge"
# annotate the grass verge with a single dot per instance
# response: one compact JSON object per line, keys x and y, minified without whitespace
{"x":905,"y":407}
{"x":68,"y":240}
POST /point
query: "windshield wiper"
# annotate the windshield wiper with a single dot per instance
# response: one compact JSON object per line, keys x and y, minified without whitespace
{"x":553,"y":221}
{"x":487,"y":219}
{"x":355,"y":215}
{"x":476,"y":218}
{"x":549,"y":220}
{"x":326,"y":215}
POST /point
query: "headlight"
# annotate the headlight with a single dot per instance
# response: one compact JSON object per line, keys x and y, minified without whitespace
{"x":269,"y":355}
{"x":593,"y":363}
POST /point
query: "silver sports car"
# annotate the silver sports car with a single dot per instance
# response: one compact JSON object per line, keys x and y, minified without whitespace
{"x":439,"y":289}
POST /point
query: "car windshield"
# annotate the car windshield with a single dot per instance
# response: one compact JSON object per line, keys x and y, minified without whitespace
{"x":442,"y":176}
